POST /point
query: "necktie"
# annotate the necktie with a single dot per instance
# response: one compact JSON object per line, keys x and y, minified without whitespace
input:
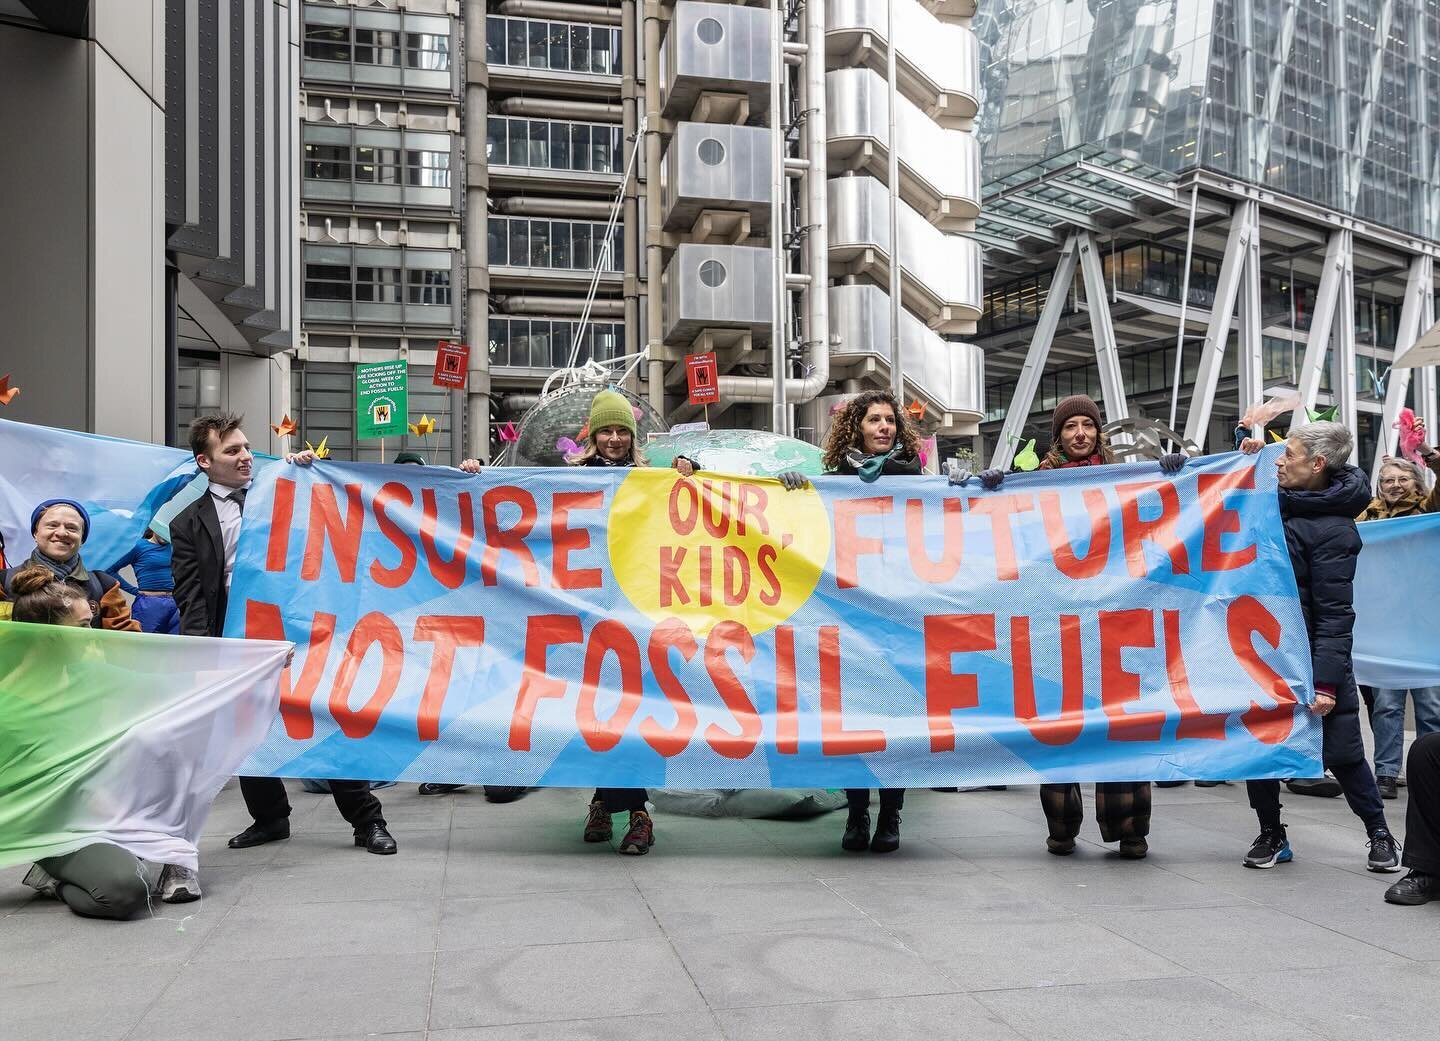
{"x":238,"y":498}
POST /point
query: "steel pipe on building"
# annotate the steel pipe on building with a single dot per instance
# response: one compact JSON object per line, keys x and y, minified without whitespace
{"x":526,"y":303}
{"x":554,"y":206}
{"x":558,"y":108}
{"x":555,"y":9}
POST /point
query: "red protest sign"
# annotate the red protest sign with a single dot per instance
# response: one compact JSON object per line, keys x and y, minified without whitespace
{"x":703,"y":377}
{"x":452,"y":364}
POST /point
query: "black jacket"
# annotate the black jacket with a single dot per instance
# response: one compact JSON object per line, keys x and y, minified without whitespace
{"x":894,"y":467}
{"x":198,"y":564}
{"x":1324,"y":545}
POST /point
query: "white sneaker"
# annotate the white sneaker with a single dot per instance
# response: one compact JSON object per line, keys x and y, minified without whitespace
{"x":40,"y":880}
{"x":179,"y":885}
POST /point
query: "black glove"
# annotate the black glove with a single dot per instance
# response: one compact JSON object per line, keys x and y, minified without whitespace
{"x":793,"y":480}
{"x":991,"y":479}
{"x":1172,"y":463}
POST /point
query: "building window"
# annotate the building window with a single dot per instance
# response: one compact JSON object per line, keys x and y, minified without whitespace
{"x":377,"y":165}
{"x":327,"y":282}
{"x":387,"y":285}
{"x":327,"y":162}
{"x":327,"y":42}
{"x":532,"y":43}
{"x":377,"y":285}
{"x":389,"y":48}
{"x":542,"y":242}
{"x":408,"y":168}
{"x":547,"y":343}
{"x":427,"y":169}
{"x":553,"y":144}
{"x":428,"y":287}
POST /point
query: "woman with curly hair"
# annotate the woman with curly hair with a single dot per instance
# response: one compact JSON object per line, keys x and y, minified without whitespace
{"x":869,"y":438}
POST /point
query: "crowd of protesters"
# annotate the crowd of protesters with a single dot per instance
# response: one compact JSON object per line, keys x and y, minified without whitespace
{"x":182,"y":577}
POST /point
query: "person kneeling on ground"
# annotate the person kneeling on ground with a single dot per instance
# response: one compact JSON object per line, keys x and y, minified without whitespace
{"x":100,"y":880}
{"x":1319,"y":498}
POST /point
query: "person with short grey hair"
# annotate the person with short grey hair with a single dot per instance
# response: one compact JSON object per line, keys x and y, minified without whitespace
{"x":1320,"y":496}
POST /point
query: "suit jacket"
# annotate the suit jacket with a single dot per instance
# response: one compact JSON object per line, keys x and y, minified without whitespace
{"x":198,"y":565}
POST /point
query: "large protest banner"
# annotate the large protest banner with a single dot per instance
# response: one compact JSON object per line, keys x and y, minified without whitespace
{"x":1397,"y":611}
{"x":607,"y":627}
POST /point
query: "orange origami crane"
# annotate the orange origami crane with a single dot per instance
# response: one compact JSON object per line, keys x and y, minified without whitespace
{"x":285,"y":428}
{"x":7,"y":392}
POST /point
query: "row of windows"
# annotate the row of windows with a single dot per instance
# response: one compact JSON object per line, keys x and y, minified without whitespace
{"x":545,"y":343}
{"x":530,"y":43}
{"x":380,"y":38}
{"x":376,"y":285}
{"x":559,"y":244}
{"x":369,"y":164}
{"x":382,"y":284}
{"x":554,"y":144}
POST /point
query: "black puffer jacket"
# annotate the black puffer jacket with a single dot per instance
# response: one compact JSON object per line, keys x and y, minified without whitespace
{"x":1320,"y":534}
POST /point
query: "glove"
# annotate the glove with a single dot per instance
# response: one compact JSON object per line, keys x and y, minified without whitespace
{"x":1172,"y":463}
{"x":793,"y":480}
{"x":956,"y":475}
{"x":991,"y":479}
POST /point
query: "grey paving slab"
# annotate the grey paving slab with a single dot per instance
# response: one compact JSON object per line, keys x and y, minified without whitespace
{"x":1350,"y":1003}
{"x":102,"y":1005}
{"x":978,"y":895}
{"x":715,"y":910}
{"x":1101,"y":884}
{"x":681,"y":1026}
{"x":528,"y":919}
{"x":931,"y":1017}
{"x":291,"y":998}
{"x":821,"y":962}
{"x":580,"y":867}
{"x":1189,"y":1009}
{"x":570,"y":981}
{"x":330,"y":929}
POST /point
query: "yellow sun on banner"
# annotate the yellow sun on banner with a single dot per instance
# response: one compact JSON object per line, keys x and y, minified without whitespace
{"x":712,"y":548}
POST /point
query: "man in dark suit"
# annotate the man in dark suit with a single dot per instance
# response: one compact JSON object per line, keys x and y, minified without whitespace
{"x":203,"y":538}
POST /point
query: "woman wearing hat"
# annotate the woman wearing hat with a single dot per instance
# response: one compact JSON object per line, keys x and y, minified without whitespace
{"x":60,"y":527}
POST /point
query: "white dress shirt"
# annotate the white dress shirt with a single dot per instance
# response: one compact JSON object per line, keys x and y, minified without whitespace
{"x":229,"y":512}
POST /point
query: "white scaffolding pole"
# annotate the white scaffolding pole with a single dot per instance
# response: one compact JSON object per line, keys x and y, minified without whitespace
{"x":1029,"y":379}
{"x":1249,"y":342}
{"x":1244,"y":226}
{"x":1338,"y":269}
{"x":1415,"y":318}
{"x":1102,"y":331}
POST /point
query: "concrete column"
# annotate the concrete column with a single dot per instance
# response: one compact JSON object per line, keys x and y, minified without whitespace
{"x":477,"y":269}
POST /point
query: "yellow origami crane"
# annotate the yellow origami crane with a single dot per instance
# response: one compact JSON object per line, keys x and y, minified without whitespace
{"x":424,"y":428}
{"x":322,"y":450}
{"x":285,"y":428}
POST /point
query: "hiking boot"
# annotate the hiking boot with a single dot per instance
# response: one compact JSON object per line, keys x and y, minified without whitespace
{"x":1388,"y":788}
{"x":1413,"y":890}
{"x":1269,"y":849}
{"x":1134,"y":849}
{"x":44,"y":883}
{"x":598,"y":826}
{"x":1059,"y":847}
{"x":179,"y":885}
{"x":640,"y":836}
{"x":887,"y":832}
{"x":431,"y":788}
{"x":1384,"y":852}
{"x":857,"y":831}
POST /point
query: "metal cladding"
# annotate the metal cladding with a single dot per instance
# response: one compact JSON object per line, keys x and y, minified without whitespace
{"x":951,"y":375}
{"x":715,"y":166}
{"x":939,"y":168}
{"x":231,"y":204}
{"x":717,"y":287}
{"x":716,"y":47}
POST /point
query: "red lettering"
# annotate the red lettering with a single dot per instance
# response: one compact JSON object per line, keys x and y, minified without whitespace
{"x":765,"y":558}
{"x":609,"y":637}
{"x":1246,"y":618}
{"x":393,"y":578}
{"x":736,"y":575}
{"x":671,"y":634}
{"x":1062,"y":550}
{"x":282,"y":513}
{"x":724,"y":637}
{"x":344,"y":536}
{"x":449,"y":573}
{"x":707,"y":578}
{"x":1120,"y":630}
{"x":1220,"y":520}
{"x":1065,"y":727}
{"x":834,"y":738}
{"x":447,"y":633}
{"x":753,"y":501}
{"x":1195,"y":724}
{"x":952,"y":540}
{"x":946,"y":690}
{"x":787,"y":702}
{"x":850,"y":546}
{"x":1134,"y":532}
{"x":715,"y":511}
{"x":543,"y":632}
{"x":565,"y":540}
{"x":372,"y":630}
{"x":263,"y":622}
{"x":671,"y":588}
{"x":511,"y":539}
{"x":1000,"y":508}
{"x":683,"y":493}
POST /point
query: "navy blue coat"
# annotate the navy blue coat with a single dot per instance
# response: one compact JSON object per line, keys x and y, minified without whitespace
{"x":1324,"y":545}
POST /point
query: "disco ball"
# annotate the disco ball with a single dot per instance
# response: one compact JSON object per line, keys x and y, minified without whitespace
{"x":563,"y":413}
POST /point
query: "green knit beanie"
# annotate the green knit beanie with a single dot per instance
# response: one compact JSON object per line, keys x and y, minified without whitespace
{"x":610,"y":409}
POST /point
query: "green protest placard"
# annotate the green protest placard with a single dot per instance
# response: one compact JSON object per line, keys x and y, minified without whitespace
{"x":381,"y":399}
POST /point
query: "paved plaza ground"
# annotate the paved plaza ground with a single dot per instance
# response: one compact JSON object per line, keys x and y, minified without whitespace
{"x":497,"y":922}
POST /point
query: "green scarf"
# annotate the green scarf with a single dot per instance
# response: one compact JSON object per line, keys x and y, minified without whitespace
{"x":872,"y":466}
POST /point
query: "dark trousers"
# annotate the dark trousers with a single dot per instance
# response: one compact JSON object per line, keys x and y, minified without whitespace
{"x":1343,"y":753}
{"x":890,"y":799}
{"x":1422,"y":819}
{"x":100,"y":881}
{"x":617,"y":800}
{"x":1122,"y":809}
{"x":267,"y":802}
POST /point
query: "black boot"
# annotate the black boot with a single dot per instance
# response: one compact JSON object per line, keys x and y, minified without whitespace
{"x":857,"y":831}
{"x":887,"y":832}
